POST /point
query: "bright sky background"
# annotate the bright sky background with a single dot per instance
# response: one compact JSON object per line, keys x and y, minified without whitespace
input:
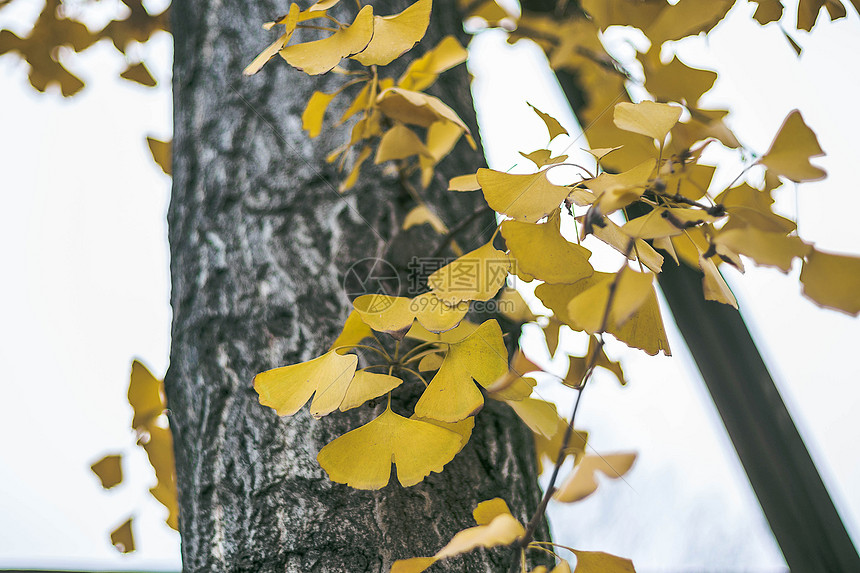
{"x":83,"y":242}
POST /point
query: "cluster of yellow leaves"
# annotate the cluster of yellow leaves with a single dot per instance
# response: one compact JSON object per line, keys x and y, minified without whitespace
{"x":146,"y":397}
{"x":397,"y":116}
{"x":496,"y":526}
{"x":53,"y":30}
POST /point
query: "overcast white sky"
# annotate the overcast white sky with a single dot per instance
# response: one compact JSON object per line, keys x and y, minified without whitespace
{"x":83,"y":242}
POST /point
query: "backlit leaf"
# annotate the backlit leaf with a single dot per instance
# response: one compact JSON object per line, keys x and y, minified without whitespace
{"x":288,"y":388}
{"x":647,"y":118}
{"x":753,"y":207}
{"x":553,"y":126}
{"x":665,"y":222}
{"x":676,"y":81}
{"x":612,"y":235}
{"x":395,"y":35}
{"x":539,"y":415}
{"x":513,"y":385}
{"x":579,"y":365}
{"x":320,"y":56}
{"x":549,"y":448}
{"x":109,"y":470}
{"x":791,"y":149}
{"x":312,"y":117}
{"x":139,"y":73}
{"x":451,"y":395}
{"x":768,"y":249}
{"x":599,"y":562}
{"x":526,"y":198}
{"x":644,"y":330}
{"x":514,"y":307}
{"x":631,"y":290}
{"x":618,"y":190}
{"x":582,"y":483}
{"x":768,"y":11}
{"x":541,"y":251}
{"x":714,"y":285}
{"x":362,"y":458}
{"x":123,"y":538}
{"x":161,"y":153}
{"x":832,"y":281}
{"x":477,"y":275}
{"x":144,"y":395}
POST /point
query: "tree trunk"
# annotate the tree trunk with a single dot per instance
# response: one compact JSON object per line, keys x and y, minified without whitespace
{"x":260,"y":239}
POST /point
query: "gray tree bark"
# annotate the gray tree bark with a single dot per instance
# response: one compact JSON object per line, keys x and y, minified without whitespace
{"x":260,"y":239}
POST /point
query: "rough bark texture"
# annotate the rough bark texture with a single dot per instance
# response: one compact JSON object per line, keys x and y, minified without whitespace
{"x":260,"y":240}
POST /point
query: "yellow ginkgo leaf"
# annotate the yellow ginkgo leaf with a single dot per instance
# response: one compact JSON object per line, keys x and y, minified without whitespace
{"x":791,"y":149}
{"x":162,"y":153}
{"x":526,"y":198}
{"x":422,"y":214}
{"x":394,"y":315}
{"x":714,"y":285}
{"x":832,"y":281}
{"x":312,"y":117}
{"x":520,"y":365}
{"x":676,"y":81}
{"x":644,"y":329}
{"x":552,"y":124}
{"x":488,"y":510}
{"x":452,"y":395}
{"x":464,"y":183}
{"x":631,"y":290}
{"x":665,"y":222}
{"x":354,"y":331}
{"x":601,"y":152}
{"x":289,"y":21}
{"x":477,"y":275}
{"x":159,"y":451}
{"x":423,"y":71}
{"x":414,"y":565}
{"x":320,"y":56}
{"x":542,"y":157}
{"x":139,"y":73}
{"x":323,"y":5}
{"x":456,"y":334}
{"x":109,"y":470}
{"x":615,"y":191}
{"x":362,"y":458}
{"x":582,"y":483}
{"x":551,"y":333}
{"x":416,"y":108}
{"x":768,"y":249}
{"x":399,"y":142}
{"x":165,"y":494}
{"x":562,"y":567}
{"x":513,"y":306}
{"x":690,"y":181}
{"x":647,"y":118}
{"x":541,"y":251}
{"x":395,"y":35}
{"x":753,"y":207}
{"x":504,"y":529}
{"x":540,"y":416}
{"x":123,"y":538}
{"x":355,"y":171}
{"x":144,"y":395}
{"x":612,"y":235}
{"x":549,"y":448}
{"x":430,"y":361}
{"x":579,"y":365}
{"x":599,"y":562}
{"x":367,"y":386}
{"x":288,"y":388}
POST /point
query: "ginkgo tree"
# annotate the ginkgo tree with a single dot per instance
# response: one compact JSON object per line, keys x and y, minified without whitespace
{"x":255,"y":262}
